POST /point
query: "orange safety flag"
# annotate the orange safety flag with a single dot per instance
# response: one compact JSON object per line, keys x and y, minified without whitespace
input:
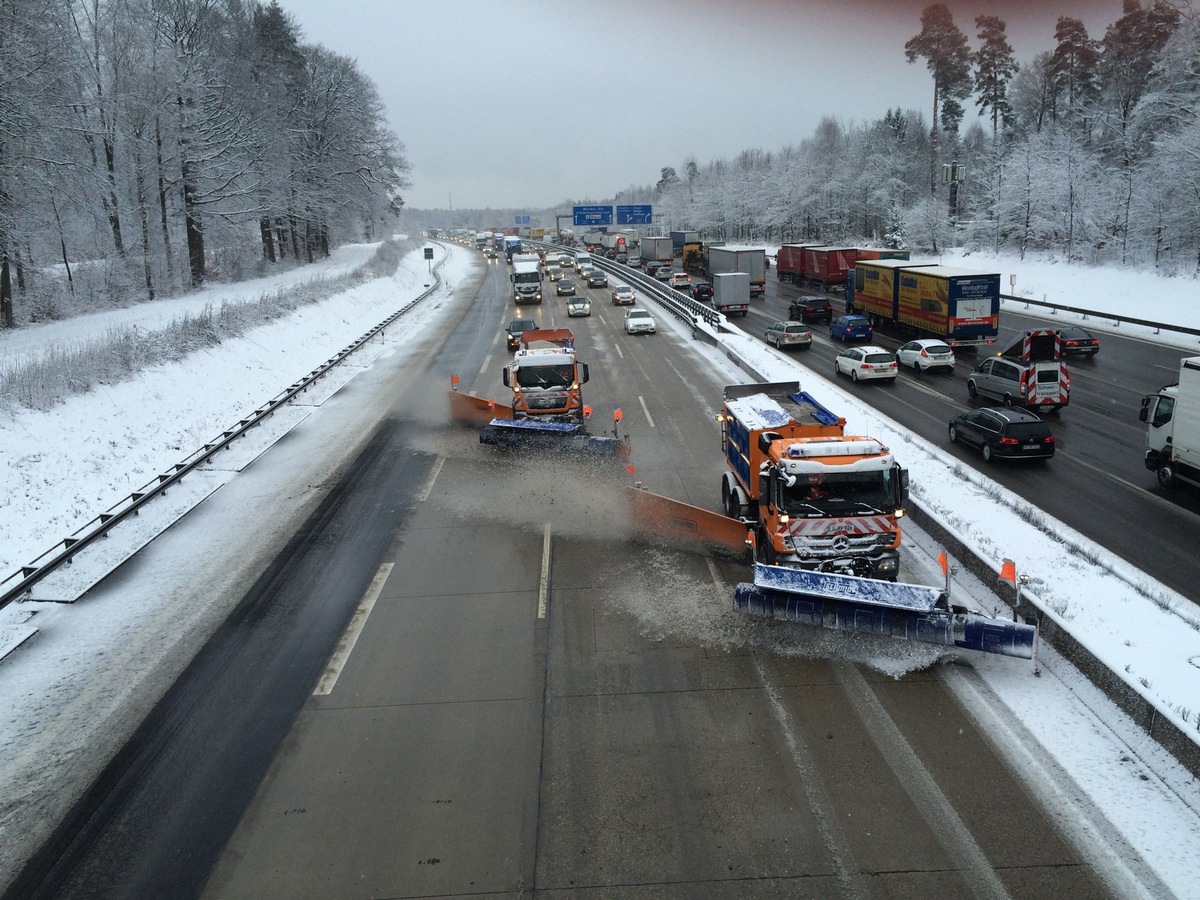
{"x":587,"y":412}
{"x":943,"y":563}
{"x":617,"y":415}
{"x":629,"y":468}
{"x":454,"y":380}
{"x":1008,"y":572}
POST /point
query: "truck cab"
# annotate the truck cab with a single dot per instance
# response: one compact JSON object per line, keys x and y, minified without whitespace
{"x":1172,"y":417}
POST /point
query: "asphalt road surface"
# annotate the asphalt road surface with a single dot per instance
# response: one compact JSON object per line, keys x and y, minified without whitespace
{"x":463,"y":678}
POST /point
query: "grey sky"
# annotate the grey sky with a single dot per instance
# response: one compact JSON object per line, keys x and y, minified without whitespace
{"x":525,"y":104}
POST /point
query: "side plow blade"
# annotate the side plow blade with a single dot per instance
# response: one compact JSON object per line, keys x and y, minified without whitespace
{"x":905,"y":611}
{"x":553,"y":437}
{"x":476,"y":410}
{"x":688,"y":526}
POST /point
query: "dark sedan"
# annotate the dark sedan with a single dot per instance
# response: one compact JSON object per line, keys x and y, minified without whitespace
{"x":1077,"y":342}
{"x":565,"y":287}
{"x":1009,"y":433}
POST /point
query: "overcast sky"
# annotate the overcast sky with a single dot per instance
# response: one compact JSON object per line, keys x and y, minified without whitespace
{"x":527,"y":104}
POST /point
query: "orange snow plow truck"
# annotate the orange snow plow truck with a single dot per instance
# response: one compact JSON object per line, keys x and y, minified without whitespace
{"x":797,"y":490}
{"x":817,"y":511}
{"x":547,"y":410}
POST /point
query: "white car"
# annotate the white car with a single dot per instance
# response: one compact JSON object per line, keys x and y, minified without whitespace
{"x":579,"y":306}
{"x":925,"y":354}
{"x":639,"y":321}
{"x":681,"y":281}
{"x":867,"y":363}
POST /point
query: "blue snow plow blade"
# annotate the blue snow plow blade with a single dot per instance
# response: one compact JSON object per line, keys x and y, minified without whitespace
{"x":906,"y":611}
{"x":526,"y":434}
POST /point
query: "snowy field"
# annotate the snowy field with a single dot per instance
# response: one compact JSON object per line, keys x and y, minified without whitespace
{"x":71,"y":462}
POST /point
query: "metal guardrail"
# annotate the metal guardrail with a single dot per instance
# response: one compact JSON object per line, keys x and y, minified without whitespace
{"x":1092,"y":313}
{"x":62,"y":553}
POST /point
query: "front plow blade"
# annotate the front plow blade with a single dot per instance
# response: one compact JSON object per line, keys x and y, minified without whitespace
{"x":905,"y":611}
{"x":688,"y":526}
{"x":552,"y":437}
{"x":476,"y":410}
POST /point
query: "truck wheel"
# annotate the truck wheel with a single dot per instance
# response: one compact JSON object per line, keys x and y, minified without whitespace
{"x":1166,"y":476}
{"x":729,"y":499}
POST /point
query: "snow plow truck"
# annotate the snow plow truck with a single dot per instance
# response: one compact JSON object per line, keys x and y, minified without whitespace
{"x":817,"y":513}
{"x":546,"y":411}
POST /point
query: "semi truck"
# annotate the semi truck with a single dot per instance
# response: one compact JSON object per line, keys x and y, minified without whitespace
{"x":1172,"y":416}
{"x":657,"y":248}
{"x":817,"y":511}
{"x":547,"y":410}
{"x":789,"y":262}
{"x":959,"y":306}
{"x":679,"y":238}
{"x":731,"y":293}
{"x":512,"y":245}
{"x":526,"y":278}
{"x":752,"y":261}
{"x":826,"y":267}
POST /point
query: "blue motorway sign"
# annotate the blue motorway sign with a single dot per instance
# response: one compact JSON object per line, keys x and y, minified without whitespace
{"x":593,"y":215}
{"x":522,"y":220}
{"x":637,"y":214}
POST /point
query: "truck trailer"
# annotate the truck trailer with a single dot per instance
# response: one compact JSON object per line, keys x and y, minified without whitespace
{"x":679,"y":238}
{"x":752,"y":261}
{"x":1173,"y":433}
{"x":657,"y":248}
{"x":731,"y":293}
{"x":827,"y":266}
{"x":789,"y":263}
{"x":959,"y":306}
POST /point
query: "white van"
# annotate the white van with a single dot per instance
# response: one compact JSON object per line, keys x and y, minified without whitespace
{"x":582,"y":261}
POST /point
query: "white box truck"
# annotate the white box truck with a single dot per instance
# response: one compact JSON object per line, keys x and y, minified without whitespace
{"x":1172,"y":417}
{"x":731,"y":293}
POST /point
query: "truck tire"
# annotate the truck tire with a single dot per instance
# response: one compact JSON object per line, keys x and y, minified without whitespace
{"x":766,"y":550}
{"x":1166,"y":476}
{"x":730,"y":502}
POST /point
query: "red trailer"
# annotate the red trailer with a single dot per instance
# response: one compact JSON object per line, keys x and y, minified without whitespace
{"x":789,"y":264}
{"x":827,"y":266}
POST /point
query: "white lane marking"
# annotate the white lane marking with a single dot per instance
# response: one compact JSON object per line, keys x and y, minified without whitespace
{"x":433,"y":475}
{"x":342,"y":654}
{"x":487,"y":361}
{"x":645,"y":409}
{"x":933,"y":805}
{"x":618,"y":349}
{"x":544,"y":579}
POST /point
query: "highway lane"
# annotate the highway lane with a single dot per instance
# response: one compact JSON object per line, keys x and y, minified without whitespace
{"x":617,"y":732}
{"x":526,"y":700}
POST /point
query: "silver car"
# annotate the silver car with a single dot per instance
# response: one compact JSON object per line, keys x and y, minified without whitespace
{"x":790,"y":334}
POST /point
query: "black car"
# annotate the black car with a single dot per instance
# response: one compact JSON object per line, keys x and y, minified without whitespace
{"x":1077,"y":342}
{"x":1009,"y":433}
{"x":566,"y":287}
{"x":811,"y":309}
{"x":516,"y":328}
{"x":702,"y":292}
{"x":596,"y":278}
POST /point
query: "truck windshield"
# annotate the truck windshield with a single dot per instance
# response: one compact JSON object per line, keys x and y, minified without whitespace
{"x":546,"y":377}
{"x":839,"y":494}
{"x":526,"y":278}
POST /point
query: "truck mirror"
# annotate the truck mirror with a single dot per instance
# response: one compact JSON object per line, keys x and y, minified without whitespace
{"x":765,"y":439}
{"x":583,"y":373}
{"x":1144,"y":412}
{"x":506,"y":382}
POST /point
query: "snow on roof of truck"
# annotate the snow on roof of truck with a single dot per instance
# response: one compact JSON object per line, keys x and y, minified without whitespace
{"x":758,"y":411}
{"x":945,"y":271}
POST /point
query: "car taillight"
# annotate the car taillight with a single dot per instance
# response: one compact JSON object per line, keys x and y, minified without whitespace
{"x":924,"y":352}
{"x":1048,"y":439}
{"x":1009,"y":440}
